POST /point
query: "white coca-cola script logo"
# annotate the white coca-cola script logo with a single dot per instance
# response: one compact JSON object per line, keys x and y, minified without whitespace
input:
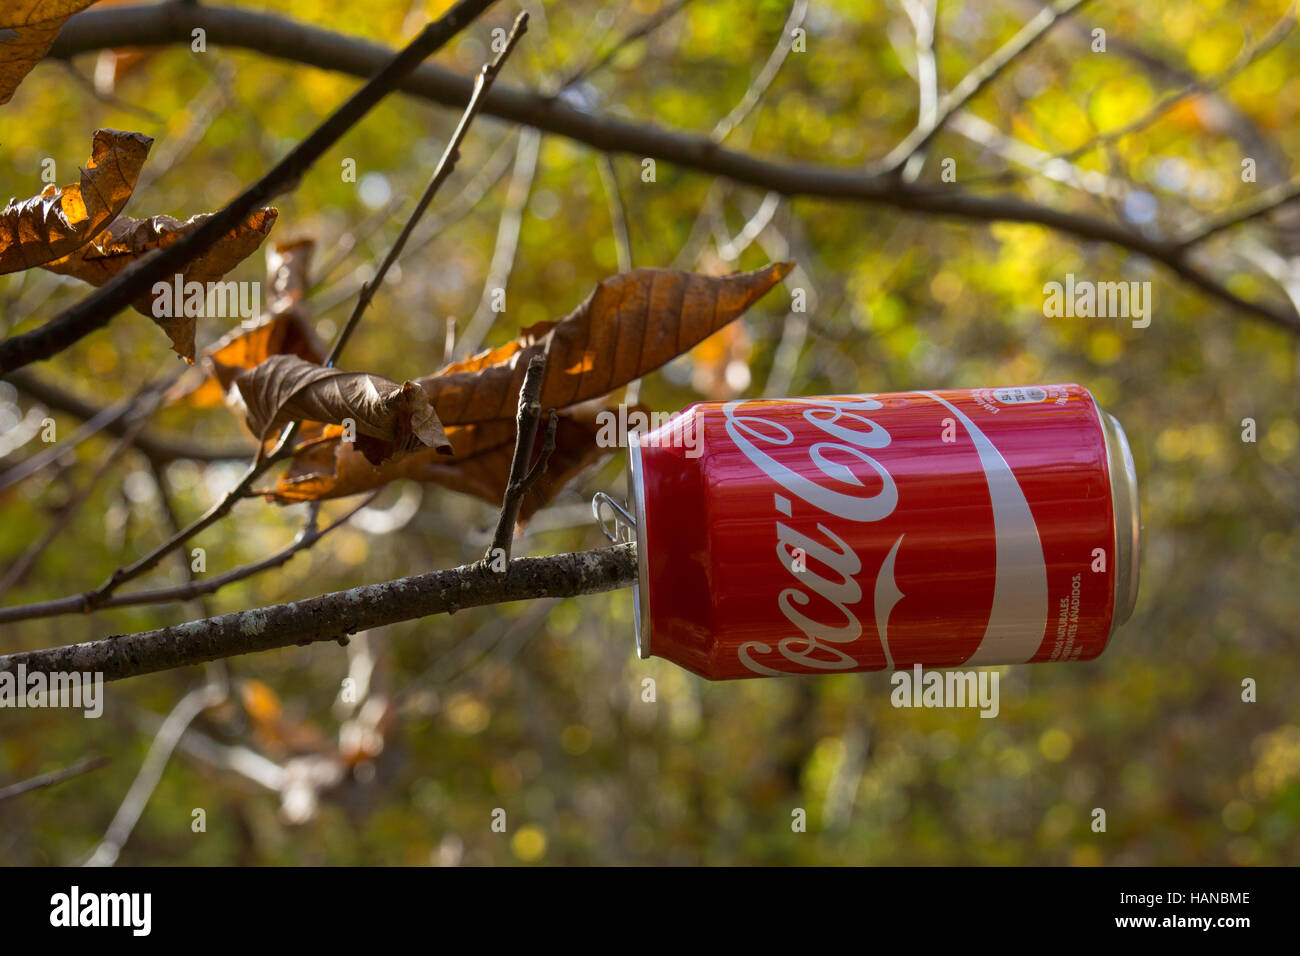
{"x":1020,"y":589}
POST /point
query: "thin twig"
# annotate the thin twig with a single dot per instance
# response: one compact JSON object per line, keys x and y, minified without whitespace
{"x":727,"y":125}
{"x":157,"y":446}
{"x":548,"y":446}
{"x":174,"y":524}
{"x":18,"y":570}
{"x":85,"y":765}
{"x":76,"y":604}
{"x":465,"y":201}
{"x":446,"y":164}
{"x":100,"y":595}
{"x":206,"y":105}
{"x":648,"y":26}
{"x":617,"y":215}
{"x":151,"y":771}
{"x":731,"y":248}
{"x":974,"y":81}
{"x":120,"y":414}
{"x":109,"y":99}
{"x":1267,"y":201}
{"x":922,"y":15}
{"x":526,"y":420}
{"x":1248,"y":55}
{"x":506,"y":246}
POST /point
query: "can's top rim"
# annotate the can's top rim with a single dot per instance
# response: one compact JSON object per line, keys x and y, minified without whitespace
{"x":1128,"y":520}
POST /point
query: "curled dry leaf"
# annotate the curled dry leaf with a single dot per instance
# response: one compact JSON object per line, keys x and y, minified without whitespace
{"x":479,"y":466}
{"x":630,"y":325}
{"x":27,"y":29}
{"x":287,"y":330}
{"x":62,"y":219}
{"x":126,"y":240}
{"x":390,"y":417}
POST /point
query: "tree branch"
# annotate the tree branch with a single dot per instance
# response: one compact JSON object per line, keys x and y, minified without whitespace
{"x":617,"y":215}
{"x":53,"y":777}
{"x":331,"y":617}
{"x":758,"y":88}
{"x":196,"y":588}
{"x":644,"y":29}
{"x":300,"y":43}
{"x":19,"y":569}
{"x":506,"y":246}
{"x":446,"y":164}
{"x":98,"y":308}
{"x":526,"y":420}
{"x":263,"y":461}
{"x":1267,"y":201}
{"x":976,"y":80}
{"x":158,"y":447}
{"x":1248,"y":55}
{"x":923,"y":14}
{"x":150,"y":773}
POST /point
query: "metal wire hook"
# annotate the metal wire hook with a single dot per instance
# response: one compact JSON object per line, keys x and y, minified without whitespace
{"x":618,"y":521}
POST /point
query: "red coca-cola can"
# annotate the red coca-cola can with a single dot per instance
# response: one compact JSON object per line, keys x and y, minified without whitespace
{"x":872,"y":532}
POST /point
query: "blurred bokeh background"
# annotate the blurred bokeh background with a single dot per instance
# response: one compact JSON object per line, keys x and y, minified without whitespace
{"x":538,"y":708}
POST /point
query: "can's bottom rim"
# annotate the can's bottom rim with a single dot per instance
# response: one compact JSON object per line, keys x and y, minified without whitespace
{"x":1128,"y":520}
{"x":640,"y":590}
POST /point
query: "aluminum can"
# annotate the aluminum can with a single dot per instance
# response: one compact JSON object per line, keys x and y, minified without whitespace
{"x":875,"y":532}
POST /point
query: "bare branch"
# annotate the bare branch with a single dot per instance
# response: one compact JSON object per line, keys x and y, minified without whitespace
{"x":617,"y":215}
{"x":331,"y":617}
{"x":76,"y":604}
{"x":974,"y":81}
{"x":521,"y":478}
{"x":18,"y":570}
{"x":290,"y":40}
{"x":776,"y":59}
{"x":151,"y":771}
{"x":168,"y":508}
{"x":650,"y":24}
{"x":507,"y":241}
{"x":731,"y":248}
{"x":100,"y":595}
{"x":123,"y":413}
{"x":53,"y":777}
{"x":200,"y":113}
{"x":466,"y":200}
{"x":446,"y":165}
{"x":922,"y":15}
{"x":159,"y":447}
{"x":1248,"y":55}
{"x":1267,"y":201}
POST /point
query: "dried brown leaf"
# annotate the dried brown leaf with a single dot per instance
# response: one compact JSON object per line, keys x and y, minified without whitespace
{"x":62,"y":219}
{"x":286,"y":388}
{"x":480,"y":465}
{"x":27,"y":29}
{"x":630,"y":325}
{"x":286,"y":331}
{"x":126,"y":240}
